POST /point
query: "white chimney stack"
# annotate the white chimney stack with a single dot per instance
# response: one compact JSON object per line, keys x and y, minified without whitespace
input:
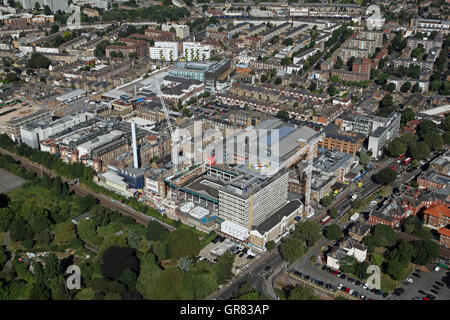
{"x":133,"y":137}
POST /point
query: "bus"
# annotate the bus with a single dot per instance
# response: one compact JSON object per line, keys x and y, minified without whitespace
{"x":325,"y":220}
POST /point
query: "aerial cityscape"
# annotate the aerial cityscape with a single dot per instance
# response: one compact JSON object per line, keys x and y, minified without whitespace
{"x":224,"y":150}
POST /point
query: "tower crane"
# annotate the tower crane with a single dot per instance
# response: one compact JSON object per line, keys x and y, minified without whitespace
{"x":309,"y":149}
{"x":157,"y":85}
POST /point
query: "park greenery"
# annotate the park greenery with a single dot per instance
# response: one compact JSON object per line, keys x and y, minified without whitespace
{"x":397,"y":254}
{"x":118,"y":258}
{"x":429,"y":137}
{"x":294,"y":246}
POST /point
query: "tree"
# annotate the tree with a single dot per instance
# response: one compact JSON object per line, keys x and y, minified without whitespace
{"x":148,"y":277}
{"x":116,"y":260}
{"x":270,"y":245}
{"x":308,"y":231}
{"x":434,"y":140}
{"x":19,"y":230}
{"x":278,"y":81}
{"x":384,"y":235}
{"x":407,"y":115}
{"x":87,"y":230}
{"x":37,"y":60}
{"x":64,"y":233}
{"x":339,"y":63}
{"x":446,"y":137}
{"x":302,"y":293}
{"x":416,"y":88}
{"x":425,"y":251}
{"x":128,"y":278}
{"x":391,"y":87}
{"x":333,"y":213}
{"x":333,"y":232}
{"x":426,"y":127}
{"x":223,"y":267}
{"x":183,"y":243}
{"x":423,"y":151}
{"x":283,"y":114}
{"x":364,"y":158}
{"x":312,"y":86}
{"x":332,"y":91}
{"x":395,"y":269}
{"x":445,"y":124}
{"x":133,"y":239}
{"x":12,"y":77}
{"x":291,"y":249}
{"x":386,"y":176}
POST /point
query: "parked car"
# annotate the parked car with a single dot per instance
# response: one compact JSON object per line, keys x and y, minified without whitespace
{"x":358,"y":283}
{"x":439,"y":283}
{"x":422,"y":292}
{"x":434,"y":291}
{"x":436,"y":287}
{"x":351,"y":291}
{"x":430,"y":296}
{"x":365,"y":286}
{"x":340,"y":286}
{"x":416,"y":298}
{"x":399,"y":291}
{"x":410,"y":280}
{"x":242,"y":254}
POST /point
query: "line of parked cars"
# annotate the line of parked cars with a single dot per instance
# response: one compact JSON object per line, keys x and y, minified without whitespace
{"x":358,"y":283}
{"x":320,"y":283}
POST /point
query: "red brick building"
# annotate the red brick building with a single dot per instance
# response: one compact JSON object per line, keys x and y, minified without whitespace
{"x":444,"y":239}
{"x":409,"y":202}
{"x":362,"y":66}
{"x":159,"y":35}
{"x":437,"y":216}
{"x":433,"y":179}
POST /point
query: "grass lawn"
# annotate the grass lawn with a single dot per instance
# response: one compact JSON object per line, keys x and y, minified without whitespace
{"x":109,"y":229}
{"x":387,"y":283}
{"x":379,"y":250}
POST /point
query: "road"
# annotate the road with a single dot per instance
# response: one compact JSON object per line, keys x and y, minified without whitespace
{"x":253,"y":275}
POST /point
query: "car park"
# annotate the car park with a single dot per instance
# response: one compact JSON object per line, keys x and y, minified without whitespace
{"x":399,"y":291}
{"x":436,"y":287}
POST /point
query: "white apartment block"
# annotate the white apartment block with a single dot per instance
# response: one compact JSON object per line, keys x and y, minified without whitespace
{"x":167,"y":50}
{"x":181,"y":30}
{"x":196,"y":51}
